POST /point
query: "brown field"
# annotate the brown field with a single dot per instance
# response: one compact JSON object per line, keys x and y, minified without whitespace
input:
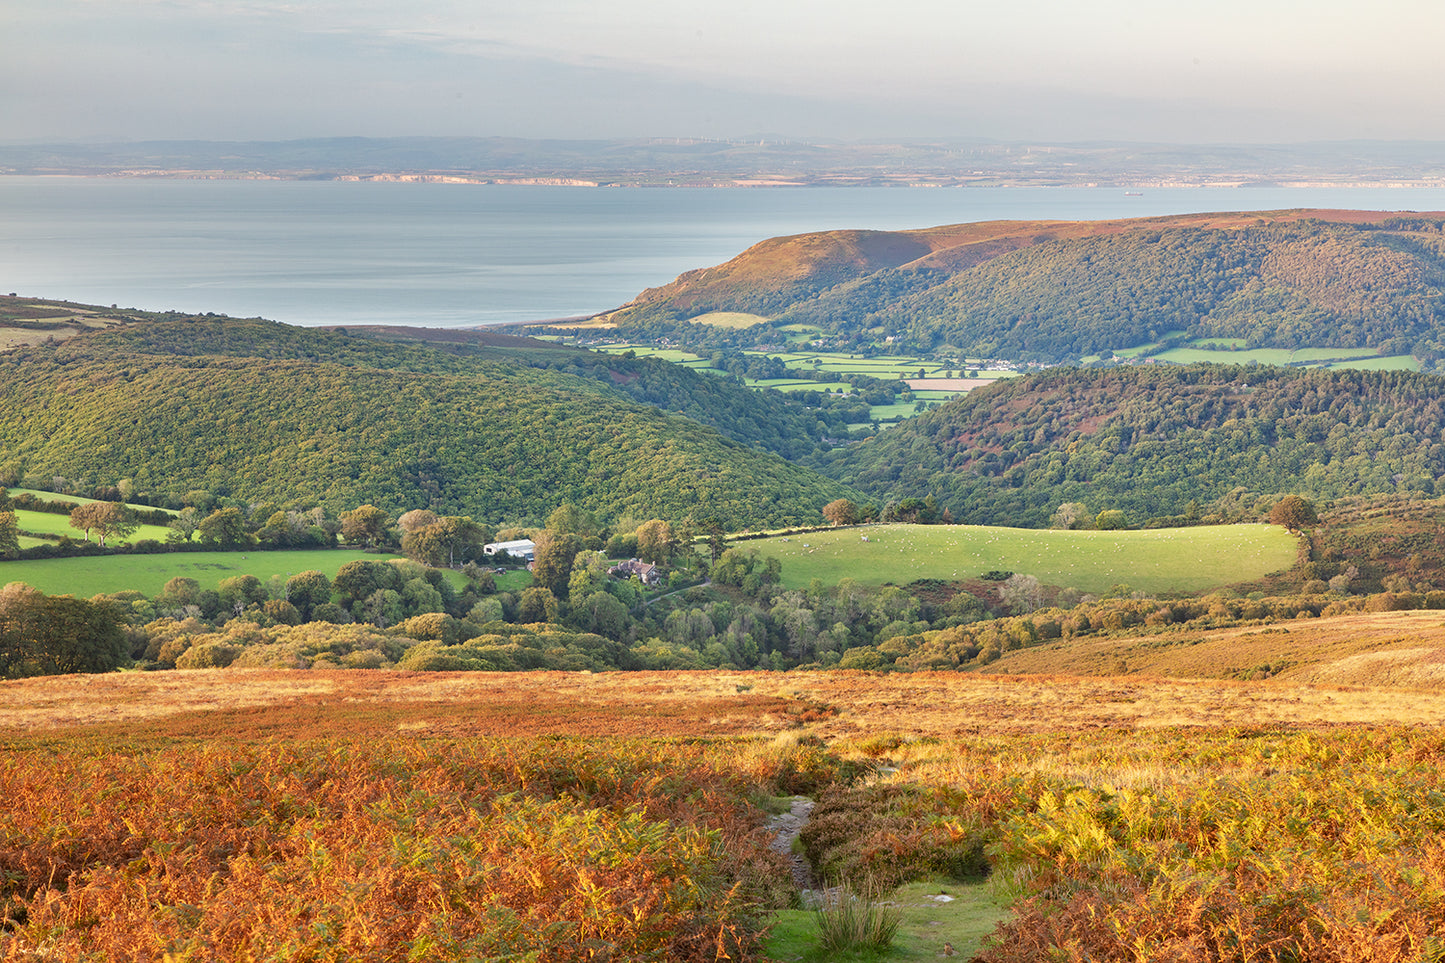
{"x":1384,"y":649}
{"x":246,"y":704}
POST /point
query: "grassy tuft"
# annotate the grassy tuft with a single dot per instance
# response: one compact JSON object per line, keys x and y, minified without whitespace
{"x":855,"y":917}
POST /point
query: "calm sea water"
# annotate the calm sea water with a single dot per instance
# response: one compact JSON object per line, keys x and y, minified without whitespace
{"x":449,"y":255}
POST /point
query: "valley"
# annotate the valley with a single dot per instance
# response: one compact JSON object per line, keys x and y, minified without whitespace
{"x":958,"y":541}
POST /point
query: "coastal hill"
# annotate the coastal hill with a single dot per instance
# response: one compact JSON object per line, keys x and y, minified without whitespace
{"x":1058,"y":291}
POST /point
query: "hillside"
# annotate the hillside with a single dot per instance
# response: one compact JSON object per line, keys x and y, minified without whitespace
{"x":1378,"y":649}
{"x":1060,"y":291}
{"x":1152,"y":439}
{"x":262,"y":411}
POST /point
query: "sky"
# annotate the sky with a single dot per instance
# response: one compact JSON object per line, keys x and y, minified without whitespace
{"x":1223,"y":71}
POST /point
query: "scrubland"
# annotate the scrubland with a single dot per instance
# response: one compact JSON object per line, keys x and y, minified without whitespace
{"x":570,"y":816}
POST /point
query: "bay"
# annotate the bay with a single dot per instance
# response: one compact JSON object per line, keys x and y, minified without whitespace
{"x":447,"y":255}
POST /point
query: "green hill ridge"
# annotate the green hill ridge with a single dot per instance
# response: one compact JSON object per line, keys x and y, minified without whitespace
{"x":1151,"y":439}
{"x":266,"y":412}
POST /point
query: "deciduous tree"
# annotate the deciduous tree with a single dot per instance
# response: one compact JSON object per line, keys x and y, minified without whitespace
{"x":104,"y":519}
{"x":1294,"y":513}
{"x":9,"y":534}
{"x":656,"y":541}
{"x":553,"y":556}
{"x":52,"y":635}
{"x":841,"y":511}
{"x":365,"y":524}
{"x":225,"y":527}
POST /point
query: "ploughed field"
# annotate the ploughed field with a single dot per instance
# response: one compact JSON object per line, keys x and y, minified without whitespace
{"x":392,"y":816}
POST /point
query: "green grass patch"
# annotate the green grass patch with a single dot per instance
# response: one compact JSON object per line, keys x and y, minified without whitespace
{"x":1271,"y":356}
{"x":730,"y":319}
{"x":893,"y":412}
{"x":776,"y":382}
{"x":833,"y":386}
{"x":1300,"y":355}
{"x":1393,"y":363}
{"x":48,"y":523}
{"x":84,"y":577}
{"x":77,"y":500}
{"x":513,"y":580}
{"x":929,"y":925}
{"x":1158,"y":560}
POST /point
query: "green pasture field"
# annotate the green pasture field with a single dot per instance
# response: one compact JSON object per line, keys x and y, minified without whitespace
{"x":512,"y":580}
{"x":730,"y":319}
{"x":928,"y":394}
{"x":148,"y":574}
{"x":1403,"y":362}
{"x":1157,"y":560}
{"x":675,"y":355}
{"x":1271,"y":356}
{"x":48,"y":523}
{"x":1363,"y":359}
{"x":898,"y":411}
{"x":833,"y":386}
{"x":1332,"y":354}
{"x":76,"y":499}
{"x":776,"y":382}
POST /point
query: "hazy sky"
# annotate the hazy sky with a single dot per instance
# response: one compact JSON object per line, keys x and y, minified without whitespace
{"x":1222,"y":70}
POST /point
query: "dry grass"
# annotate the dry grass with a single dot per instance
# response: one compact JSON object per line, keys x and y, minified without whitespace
{"x":1391,"y":649}
{"x":247,"y":704}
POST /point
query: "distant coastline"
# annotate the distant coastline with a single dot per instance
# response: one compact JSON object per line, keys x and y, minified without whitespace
{"x":704,"y":163}
{"x":900,"y":180}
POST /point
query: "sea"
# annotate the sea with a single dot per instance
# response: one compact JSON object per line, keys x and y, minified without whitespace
{"x":457,"y":255}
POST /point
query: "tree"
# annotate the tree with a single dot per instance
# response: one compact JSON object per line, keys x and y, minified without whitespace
{"x":9,"y":534}
{"x":568,"y":519}
{"x":225,"y":527}
{"x":449,"y":542}
{"x":1070,"y":515}
{"x":552,"y":557}
{"x":656,"y":541}
{"x":717,"y":541}
{"x":1294,"y":513}
{"x":306,"y":590}
{"x":537,"y":604}
{"x":1111,"y":519}
{"x":416,"y":519}
{"x":104,"y":519}
{"x":184,"y":525}
{"x":364,"y":524}
{"x":1022,"y":593}
{"x":357,"y":581}
{"x":52,"y":635}
{"x":841,"y":511}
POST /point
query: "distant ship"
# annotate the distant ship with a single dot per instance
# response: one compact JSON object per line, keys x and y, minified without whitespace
{"x":1133,"y":193}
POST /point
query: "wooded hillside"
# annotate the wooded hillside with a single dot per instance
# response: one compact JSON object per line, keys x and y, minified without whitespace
{"x":1151,"y":439}
{"x":1059,"y":291}
{"x":262,"y":411}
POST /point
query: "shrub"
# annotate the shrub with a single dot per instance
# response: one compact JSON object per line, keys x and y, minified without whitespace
{"x":208,"y":655}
